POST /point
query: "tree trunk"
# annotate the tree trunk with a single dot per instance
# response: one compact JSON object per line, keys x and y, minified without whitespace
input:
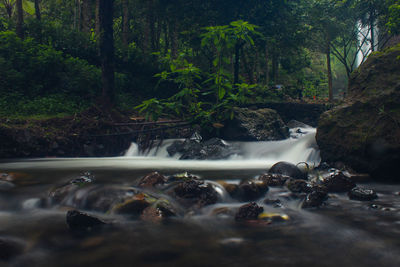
{"x":125,"y":23}
{"x":106,"y":46}
{"x":174,"y":39}
{"x":266,"y":66}
{"x":275,"y":68}
{"x":86,"y":15}
{"x":97,"y":27}
{"x":166,"y":38}
{"x":37,"y":10}
{"x":20,"y":20}
{"x":329,"y":69}
{"x":372,"y":22}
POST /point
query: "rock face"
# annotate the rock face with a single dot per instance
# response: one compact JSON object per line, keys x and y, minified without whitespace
{"x":214,"y":148}
{"x":255,"y":125}
{"x":364,"y":132}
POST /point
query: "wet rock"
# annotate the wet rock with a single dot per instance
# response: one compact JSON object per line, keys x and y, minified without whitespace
{"x":361,"y":194}
{"x":248,"y":211}
{"x":5,"y":185}
{"x":10,"y":249}
{"x":84,"y":179}
{"x":337,"y":182}
{"x":152,"y":180}
{"x":232,"y":189}
{"x":276,"y":203}
{"x":272,"y":217}
{"x":82,"y":222}
{"x":196,"y":192}
{"x":315,"y":199}
{"x":298,"y":186}
{"x":249,"y":190}
{"x":364,"y":132}
{"x":214,"y":148}
{"x":133,"y":206}
{"x":297,"y":124}
{"x":288,"y":169}
{"x":273,"y":179}
{"x":255,"y":125}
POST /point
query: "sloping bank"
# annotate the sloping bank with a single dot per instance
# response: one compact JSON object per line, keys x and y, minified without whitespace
{"x":364,"y":133}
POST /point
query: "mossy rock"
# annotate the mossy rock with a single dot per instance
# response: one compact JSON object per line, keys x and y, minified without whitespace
{"x":364,"y":133}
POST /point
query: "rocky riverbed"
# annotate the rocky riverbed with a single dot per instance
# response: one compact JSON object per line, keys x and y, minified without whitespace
{"x":281,"y":217}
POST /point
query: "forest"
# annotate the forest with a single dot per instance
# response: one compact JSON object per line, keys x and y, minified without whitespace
{"x":199,"y":133}
{"x":189,"y":59}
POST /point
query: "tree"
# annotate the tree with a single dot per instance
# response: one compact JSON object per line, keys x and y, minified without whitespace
{"x":20,"y":19}
{"x":106,"y":47}
{"x":37,"y":10}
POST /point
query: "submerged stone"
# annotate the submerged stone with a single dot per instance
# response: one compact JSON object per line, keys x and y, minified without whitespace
{"x":249,"y":190}
{"x":315,"y":199}
{"x":361,"y":194}
{"x":196,"y":192}
{"x":152,"y":180}
{"x":273,"y":179}
{"x":288,"y":169}
{"x":337,"y":182}
{"x":298,"y":186}
{"x":248,"y":211}
{"x":79,"y":221}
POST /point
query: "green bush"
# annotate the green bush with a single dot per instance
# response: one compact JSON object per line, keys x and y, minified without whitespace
{"x":31,"y":69}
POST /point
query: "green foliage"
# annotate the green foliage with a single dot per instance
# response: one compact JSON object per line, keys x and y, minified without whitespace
{"x":14,"y":105}
{"x":393,"y":23}
{"x":32,"y":69}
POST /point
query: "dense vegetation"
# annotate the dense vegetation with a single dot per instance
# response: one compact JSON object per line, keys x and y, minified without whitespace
{"x":193,"y":59}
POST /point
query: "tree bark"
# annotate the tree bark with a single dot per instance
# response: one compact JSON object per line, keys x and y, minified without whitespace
{"x":275,"y":68}
{"x":97,"y":26}
{"x":37,"y":10}
{"x":125,"y":23}
{"x":329,"y":69}
{"x":86,"y":15}
{"x":106,"y":46}
{"x":20,"y":20}
{"x":174,"y":39}
{"x":266,"y":66}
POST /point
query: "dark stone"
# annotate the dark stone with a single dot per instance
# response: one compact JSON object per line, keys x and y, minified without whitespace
{"x":196,"y":192}
{"x":337,"y":182}
{"x":152,"y":180}
{"x":298,"y":186}
{"x":255,"y":125}
{"x":251,"y":190}
{"x":273,"y":202}
{"x":84,"y":179}
{"x":364,"y":132}
{"x":248,"y":211}
{"x":273,"y":179}
{"x":315,"y":199}
{"x":361,"y":194}
{"x":288,"y":169}
{"x":134,"y":206}
{"x":81,"y":222}
{"x":214,"y":148}
{"x":9,"y":249}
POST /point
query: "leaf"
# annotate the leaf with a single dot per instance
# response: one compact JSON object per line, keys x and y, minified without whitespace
{"x":28,"y":7}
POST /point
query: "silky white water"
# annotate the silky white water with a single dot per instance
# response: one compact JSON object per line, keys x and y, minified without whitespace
{"x":300,"y":147}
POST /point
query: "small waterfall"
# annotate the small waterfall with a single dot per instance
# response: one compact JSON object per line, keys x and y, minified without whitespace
{"x":300,"y":147}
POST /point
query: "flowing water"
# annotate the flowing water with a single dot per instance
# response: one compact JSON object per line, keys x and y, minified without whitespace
{"x":342,"y":233}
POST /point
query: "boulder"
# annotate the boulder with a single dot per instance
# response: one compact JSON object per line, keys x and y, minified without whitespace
{"x":364,"y":132}
{"x":315,"y":199}
{"x":151,"y":180}
{"x":82,"y":222}
{"x":273,"y":179}
{"x":361,"y":194}
{"x":248,"y":211}
{"x":196,"y":192}
{"x":288,"y":169}
{"x":255,"y":125}
{"x":337,"y":182}
{"x":250,"y":190}
{"x":212,"y":149}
